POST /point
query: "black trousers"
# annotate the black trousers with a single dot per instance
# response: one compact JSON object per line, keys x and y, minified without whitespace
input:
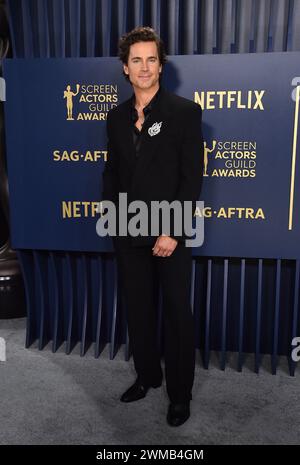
{"x":137,"y":268}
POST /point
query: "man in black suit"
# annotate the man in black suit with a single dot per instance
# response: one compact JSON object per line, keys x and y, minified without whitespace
{"x":155,"y":153}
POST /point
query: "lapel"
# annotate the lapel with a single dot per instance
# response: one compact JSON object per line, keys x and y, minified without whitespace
{"x":126,"y":133}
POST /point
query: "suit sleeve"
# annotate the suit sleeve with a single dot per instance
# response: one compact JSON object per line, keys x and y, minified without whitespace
{"x":191,"y":162}
{"x":110,"y":173}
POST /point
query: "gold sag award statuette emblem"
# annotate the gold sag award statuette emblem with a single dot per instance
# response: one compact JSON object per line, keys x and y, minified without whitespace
{"x":154,"y":129}
{"x":68,"y":94}
{"x":206,"y":152}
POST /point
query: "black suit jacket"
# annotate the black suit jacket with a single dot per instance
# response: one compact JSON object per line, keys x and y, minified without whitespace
{"x":170,"y":165}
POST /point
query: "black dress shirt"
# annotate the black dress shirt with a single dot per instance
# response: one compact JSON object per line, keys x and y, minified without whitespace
{"x":136,"y":133}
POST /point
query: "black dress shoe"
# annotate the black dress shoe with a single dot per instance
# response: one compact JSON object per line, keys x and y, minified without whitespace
{"x":137,"y":391}
{"x":178,"y":413}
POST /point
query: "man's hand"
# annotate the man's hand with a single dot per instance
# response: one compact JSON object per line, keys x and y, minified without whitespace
{"x":164,"y":246}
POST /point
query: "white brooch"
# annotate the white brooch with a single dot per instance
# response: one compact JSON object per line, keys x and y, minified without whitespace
{"x":154,"y":129}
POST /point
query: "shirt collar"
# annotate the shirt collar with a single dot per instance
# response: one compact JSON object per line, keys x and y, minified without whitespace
{"x":150,"y":105}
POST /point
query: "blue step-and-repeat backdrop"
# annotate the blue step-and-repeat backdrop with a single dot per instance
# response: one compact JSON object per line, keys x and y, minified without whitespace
{"x":55,"y":115}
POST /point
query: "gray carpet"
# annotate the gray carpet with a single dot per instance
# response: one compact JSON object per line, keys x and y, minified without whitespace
{"x":50,"y":398}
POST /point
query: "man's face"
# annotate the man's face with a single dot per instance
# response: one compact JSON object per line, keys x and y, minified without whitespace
{"x":143,"y":66}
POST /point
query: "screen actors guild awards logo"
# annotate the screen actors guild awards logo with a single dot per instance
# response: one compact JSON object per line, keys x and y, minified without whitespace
{"x":206,"y":152}
{"x":230,"y":159}
{"x":68,"y":94}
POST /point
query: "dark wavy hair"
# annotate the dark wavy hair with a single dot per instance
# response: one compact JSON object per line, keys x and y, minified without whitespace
{"x":140,"y":34}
